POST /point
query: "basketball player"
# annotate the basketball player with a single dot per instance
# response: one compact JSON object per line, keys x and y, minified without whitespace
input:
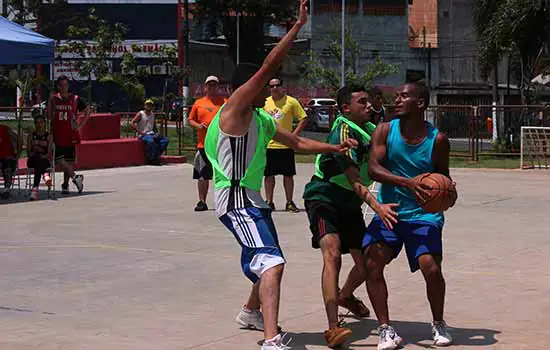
{"x":333,"y":200}
{"x":63,"y":110}
{"x":402,"y":149}
{"x":236,"y":145}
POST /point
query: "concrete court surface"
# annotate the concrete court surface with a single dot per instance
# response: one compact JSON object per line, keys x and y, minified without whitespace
{"x":129,"y":265}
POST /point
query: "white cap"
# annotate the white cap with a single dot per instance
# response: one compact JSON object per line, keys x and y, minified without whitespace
{"x":211,"y":79}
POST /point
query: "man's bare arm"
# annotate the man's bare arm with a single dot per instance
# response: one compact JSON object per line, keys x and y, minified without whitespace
{"x":86,"y":117}
{"x":241,"y":99}
{"x":378,"y":154}
{"x":384,"y":211}
{"x":300,"y":127}
{"x":440,"y":155}
{"x":136,"y":120}
{"x":302,"y":144}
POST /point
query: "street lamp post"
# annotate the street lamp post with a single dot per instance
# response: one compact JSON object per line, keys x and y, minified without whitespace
{"x":343,"y":68}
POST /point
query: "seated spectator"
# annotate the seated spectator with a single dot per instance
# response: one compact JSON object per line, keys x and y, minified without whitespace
{"x":8,"y":158}
{"x":144,"y":124}
{"x":39,"y":146}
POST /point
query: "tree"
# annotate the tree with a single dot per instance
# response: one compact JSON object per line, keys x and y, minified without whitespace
{"x":317,"y":71}
{"x":518,"y":29}
{"x":92,"y":44}
{"x":220,"y":18}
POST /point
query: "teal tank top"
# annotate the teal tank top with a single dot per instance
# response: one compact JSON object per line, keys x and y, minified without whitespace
{"x":407,"y":160}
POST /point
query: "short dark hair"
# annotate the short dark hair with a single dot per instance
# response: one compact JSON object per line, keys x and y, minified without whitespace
{"x":344,"y":94}
{"x":37,"y":113}
{"x":61,"y":78}
{"x":422,"y":92}
{"x":279,"y":79}
{"x":242,"y":73}
{"x":375,"y":92}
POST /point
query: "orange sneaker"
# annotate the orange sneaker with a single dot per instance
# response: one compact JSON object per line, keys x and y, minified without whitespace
{"x":337,"y":336}
{"x":47,"y":180}
{"x":354,"y":305}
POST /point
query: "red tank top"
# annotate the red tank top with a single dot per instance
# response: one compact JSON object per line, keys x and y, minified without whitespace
{"x":6,"y":145}
{"x":65,"y":122}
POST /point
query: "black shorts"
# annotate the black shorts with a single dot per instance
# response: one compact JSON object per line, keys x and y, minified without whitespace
{"x":280,"y":162}
{"x":8,"y":164}
{"x":38,"y":163}
{"x":326,"y":218}
{"x":203,"y":167}
{"x":66,"y":153}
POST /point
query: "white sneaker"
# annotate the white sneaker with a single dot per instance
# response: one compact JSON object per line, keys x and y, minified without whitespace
{"x":79,"y":182}
{"x":250,"y":319}
{"x":389,"y":340}
{"x":441,"y":334}
{"x":276,"y":343}
{"x":34,"y":194}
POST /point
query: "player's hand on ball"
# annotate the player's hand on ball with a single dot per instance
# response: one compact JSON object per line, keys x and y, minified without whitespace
{"x":387,"y":214}
{"x":419,"y":189}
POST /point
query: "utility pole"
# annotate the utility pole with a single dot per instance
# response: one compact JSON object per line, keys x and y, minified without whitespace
{"x":343,"y":76}
{"x":186,"y":50}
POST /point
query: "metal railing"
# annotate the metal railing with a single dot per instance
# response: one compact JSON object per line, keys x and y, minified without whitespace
{"x":471,"y":129}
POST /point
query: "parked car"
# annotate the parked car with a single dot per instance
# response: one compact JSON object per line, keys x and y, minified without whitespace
{"x":319,"y":111}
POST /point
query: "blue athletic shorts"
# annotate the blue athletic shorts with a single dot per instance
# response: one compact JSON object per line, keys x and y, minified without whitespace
{"x":419,"y":238}
{"x":255,"y":232}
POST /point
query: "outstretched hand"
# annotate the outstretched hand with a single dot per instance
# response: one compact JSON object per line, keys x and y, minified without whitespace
{"x":387,"y":214}
{"x":304,"y":11}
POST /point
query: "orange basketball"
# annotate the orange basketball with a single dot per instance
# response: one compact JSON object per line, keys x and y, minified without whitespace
{"x":442,"y":193}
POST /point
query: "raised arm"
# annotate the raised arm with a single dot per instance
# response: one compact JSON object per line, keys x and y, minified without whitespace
{"x":241,"y":99}
{"x":302,"y":144}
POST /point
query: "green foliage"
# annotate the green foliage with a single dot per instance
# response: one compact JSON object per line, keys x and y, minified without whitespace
{"x":220,"y":19}
{"x":517,"y":28}
{"x":316,"y":71}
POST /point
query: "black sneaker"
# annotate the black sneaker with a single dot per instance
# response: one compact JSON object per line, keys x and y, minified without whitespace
{"x":201,"y":206}
{"x":65,"y":189}
{"x":291,"y":207}
{"x":271,"y":205}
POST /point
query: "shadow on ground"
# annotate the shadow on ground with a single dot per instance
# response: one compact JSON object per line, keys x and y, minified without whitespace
{"x":417,"y":333}
{"x":22,"y":196}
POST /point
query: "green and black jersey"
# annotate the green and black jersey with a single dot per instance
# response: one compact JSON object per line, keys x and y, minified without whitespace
{"x":330,"y":183}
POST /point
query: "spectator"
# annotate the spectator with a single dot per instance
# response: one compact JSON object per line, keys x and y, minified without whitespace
{"x":39,"y":146}
{"x":144,"y":124}
{"x":203,"y":112}
{"x":280,"y":158}
{"x":8,"y":158}
{"x":378,"y":114}
{"x":63,"y":110}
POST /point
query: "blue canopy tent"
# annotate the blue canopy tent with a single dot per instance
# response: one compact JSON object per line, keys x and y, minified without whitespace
{"x":19,"y":45}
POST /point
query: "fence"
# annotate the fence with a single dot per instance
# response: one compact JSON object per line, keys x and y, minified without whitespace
{"x":474,"y":131}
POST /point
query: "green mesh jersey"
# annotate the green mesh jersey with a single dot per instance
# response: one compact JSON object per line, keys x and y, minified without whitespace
{"x":330,"y":183}
{"x":239,"y":162}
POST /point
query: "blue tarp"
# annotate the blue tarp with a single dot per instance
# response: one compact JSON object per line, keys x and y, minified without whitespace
{"x":19,"y":45}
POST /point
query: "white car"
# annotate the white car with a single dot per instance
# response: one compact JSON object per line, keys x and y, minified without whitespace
{"x":319,"y":111}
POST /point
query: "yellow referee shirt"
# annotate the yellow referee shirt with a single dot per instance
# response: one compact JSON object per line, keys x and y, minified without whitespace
{"x":284,"y":111}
